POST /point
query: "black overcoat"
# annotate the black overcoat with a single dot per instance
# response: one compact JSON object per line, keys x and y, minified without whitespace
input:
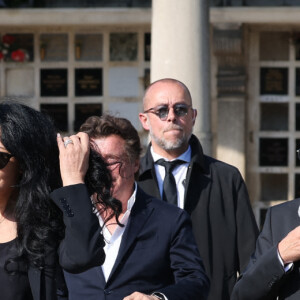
{"x":225,"y":229}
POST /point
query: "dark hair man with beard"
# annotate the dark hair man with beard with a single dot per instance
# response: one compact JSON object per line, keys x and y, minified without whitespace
{"x":211,"y":191}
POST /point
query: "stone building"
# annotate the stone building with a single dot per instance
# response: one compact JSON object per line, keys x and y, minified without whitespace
{"x":240,"y":59}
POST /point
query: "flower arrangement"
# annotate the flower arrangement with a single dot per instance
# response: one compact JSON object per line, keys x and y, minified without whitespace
{"x":9,"y":51}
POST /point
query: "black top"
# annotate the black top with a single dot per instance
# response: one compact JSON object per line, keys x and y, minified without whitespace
{"x":13,"y":287}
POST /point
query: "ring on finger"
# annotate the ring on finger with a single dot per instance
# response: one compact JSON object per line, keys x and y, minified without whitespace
{"x":67,"y":142}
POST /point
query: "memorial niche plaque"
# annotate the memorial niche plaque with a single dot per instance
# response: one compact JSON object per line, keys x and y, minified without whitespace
{"x":273,"y":81}
{"x":147,"y":46}
{"x":297,"y":116}
{"x":297,"y":161}
{"x":274,"y":116}
{"x":273,"y":152}
{"x":297,"y":83}
{"x":297,"y":185}
{"x":58,"y":113}
{"x":84,"y":111}
{"x":54,"y":82}
{"x":146,"y":78}
{"x":274,"y":187}
{"x":88,"y":82}
{"x":297,"y":45}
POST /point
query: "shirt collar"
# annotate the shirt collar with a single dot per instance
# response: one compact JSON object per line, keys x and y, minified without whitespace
{"x":131,"y":200}
{"x":186,"y":156}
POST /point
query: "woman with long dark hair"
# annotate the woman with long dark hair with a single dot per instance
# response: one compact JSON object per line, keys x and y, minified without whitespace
{"x":33,"y":230}
{"x":30,"y":224}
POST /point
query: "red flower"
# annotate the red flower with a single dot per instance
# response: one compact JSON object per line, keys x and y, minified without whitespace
{"x":1,"y":55}
{"x":18,"y":55}
{"x":8,"y":39}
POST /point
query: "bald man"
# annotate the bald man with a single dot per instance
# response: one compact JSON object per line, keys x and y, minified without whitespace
{"x":211,"y":191}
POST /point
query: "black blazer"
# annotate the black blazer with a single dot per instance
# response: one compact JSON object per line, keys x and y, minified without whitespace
{"x":157,"y":253}
{"x":265,"y":277}
{"x":224,"y":226}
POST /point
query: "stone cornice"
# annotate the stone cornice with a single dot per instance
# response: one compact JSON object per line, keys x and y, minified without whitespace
{"x":73,"y":16}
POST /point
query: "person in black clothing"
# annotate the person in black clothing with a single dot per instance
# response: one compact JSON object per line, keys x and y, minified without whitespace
{"x":31,"y":225}
{"x":211,"y":191}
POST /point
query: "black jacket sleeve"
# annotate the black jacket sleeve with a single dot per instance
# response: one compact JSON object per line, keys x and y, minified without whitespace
{"x":264,"y":275}
{"x":82,"y":246}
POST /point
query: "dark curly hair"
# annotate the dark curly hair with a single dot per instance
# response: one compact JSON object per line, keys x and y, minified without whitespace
{"x":30,"y":137}
{"x":98,"y":181}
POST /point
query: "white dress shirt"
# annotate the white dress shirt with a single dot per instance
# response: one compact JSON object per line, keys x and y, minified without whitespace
{"x":113,"y":241}
{"x":287,"y":266}
{"x":179,"y":174}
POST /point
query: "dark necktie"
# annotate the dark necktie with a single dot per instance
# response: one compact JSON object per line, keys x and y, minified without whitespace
{"x":169,"y":187}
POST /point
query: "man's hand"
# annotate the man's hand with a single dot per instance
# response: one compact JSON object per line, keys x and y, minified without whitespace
{"x":73,"y":158}
{"x":289,"y":247}
{"x":139,"y":296}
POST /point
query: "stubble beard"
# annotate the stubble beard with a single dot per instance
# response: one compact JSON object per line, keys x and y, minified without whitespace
{"x":170,"y":145}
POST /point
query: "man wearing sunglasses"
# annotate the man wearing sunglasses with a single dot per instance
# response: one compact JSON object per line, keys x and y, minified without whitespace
{"x":212,"y":192}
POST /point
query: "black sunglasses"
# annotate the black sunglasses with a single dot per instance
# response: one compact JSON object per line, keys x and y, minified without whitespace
{"x":162,"y":111}
{"x":4,"y":159}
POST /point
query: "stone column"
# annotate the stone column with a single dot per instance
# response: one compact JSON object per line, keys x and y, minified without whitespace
{"x":228,"y":50}
{"x":180,"y":50}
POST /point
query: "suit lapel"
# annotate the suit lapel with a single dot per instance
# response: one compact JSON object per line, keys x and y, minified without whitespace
{"x":102,"y":278}
{"x":148,"y":182}
{"x":139,"y":215}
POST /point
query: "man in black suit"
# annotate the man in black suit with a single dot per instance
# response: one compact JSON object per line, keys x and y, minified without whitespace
{"x":212,"y":192}
{"x":152,"y":254}
{"x":274,"y":269}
